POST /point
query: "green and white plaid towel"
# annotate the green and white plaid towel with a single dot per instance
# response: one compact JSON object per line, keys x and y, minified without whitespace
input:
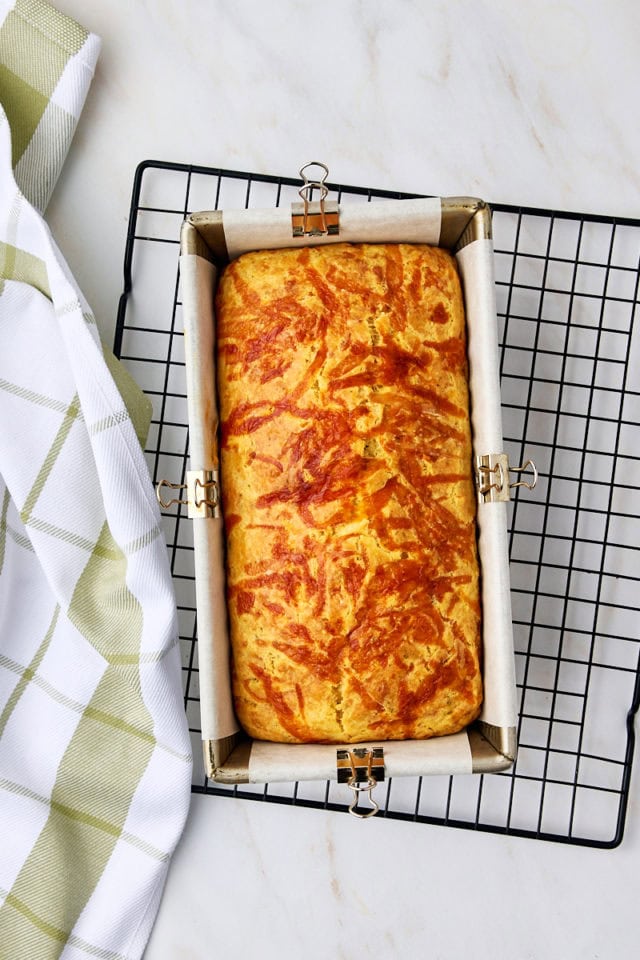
{"x":94,"y":749}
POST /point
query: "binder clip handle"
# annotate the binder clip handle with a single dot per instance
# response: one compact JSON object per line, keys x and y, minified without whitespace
{"x":362,"y":781}
{"x":165,"y":504}
{"x":529,"y":484}
{"x":359,"y":788}
{"x":309,"y":184}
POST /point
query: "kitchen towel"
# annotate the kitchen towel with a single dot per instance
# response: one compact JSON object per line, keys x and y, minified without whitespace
{"x":94,"y":749}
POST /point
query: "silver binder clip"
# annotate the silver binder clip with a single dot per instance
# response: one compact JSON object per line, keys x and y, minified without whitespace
{"x":314,"y":218}
{"x":492,"y":477}
{"x":361,"y":768}
{"x":202,"y":494}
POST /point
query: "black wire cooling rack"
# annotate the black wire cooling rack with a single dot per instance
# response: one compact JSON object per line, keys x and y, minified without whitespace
{"x":567,"y":290}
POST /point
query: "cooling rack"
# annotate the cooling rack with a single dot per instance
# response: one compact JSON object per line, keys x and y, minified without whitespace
{"x":567,"y":290}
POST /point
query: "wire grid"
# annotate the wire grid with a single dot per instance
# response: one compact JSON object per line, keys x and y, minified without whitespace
{"x":567,"y":291}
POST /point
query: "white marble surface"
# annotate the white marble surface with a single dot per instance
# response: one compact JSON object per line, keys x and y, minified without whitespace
{"x":532,"y":103}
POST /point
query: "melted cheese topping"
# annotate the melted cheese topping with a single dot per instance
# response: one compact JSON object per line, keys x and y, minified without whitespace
{"x":347,"y":493}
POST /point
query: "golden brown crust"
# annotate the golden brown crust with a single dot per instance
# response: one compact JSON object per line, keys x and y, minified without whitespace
{"x":347,"y":493}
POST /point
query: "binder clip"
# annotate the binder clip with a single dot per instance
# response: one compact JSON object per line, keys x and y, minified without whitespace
{"x":361,"y":768}
{"x":314,"y":218}
{"x":202,"y":494}
{"x":492,"y":477}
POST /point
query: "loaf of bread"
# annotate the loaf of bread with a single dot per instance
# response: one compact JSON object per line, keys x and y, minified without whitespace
{"x":347,"y":493}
